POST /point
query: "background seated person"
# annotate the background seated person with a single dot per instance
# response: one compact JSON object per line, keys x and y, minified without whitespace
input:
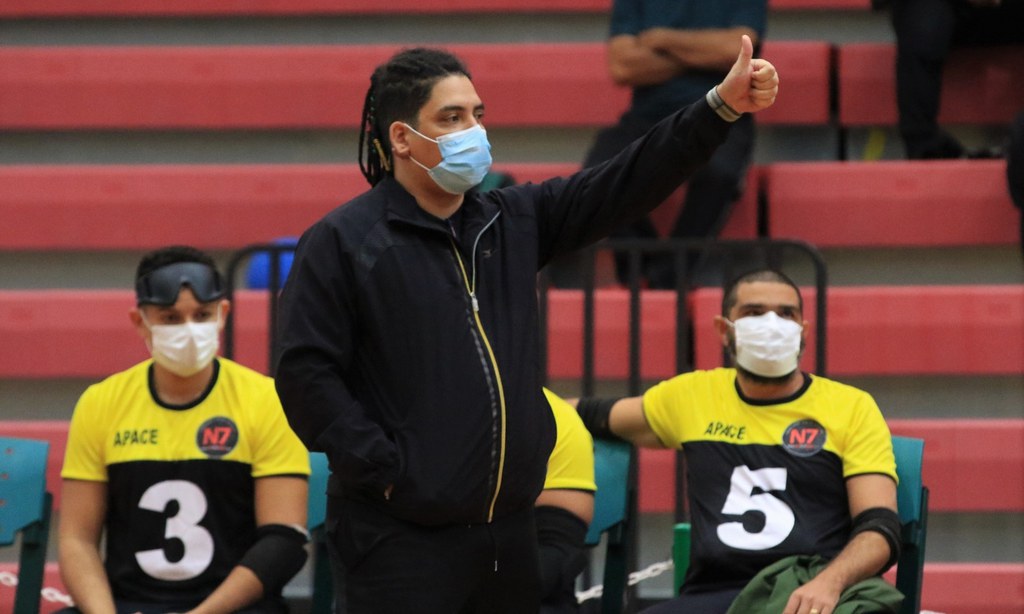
{"x":185,"y":464}
{"x":564,"y":509}
{"x":779,"y":462}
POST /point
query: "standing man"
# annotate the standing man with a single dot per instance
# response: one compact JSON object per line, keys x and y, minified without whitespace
{"x":670,"y":52}
{"x":409,"y":345}
{"x":184,"y":464}
{"x":779,"y":462}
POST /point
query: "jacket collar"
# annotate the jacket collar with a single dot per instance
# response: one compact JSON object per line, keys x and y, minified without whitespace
{"x":402,"y":208}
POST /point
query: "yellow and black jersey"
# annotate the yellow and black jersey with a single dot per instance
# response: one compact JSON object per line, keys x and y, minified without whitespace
{"x":766,"y":480}
{"x":180,"y":479}
{"x":571,"y":464}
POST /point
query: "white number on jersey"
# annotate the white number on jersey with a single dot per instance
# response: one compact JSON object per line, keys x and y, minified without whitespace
{"x":184,"y":526}
{"x":778,"y":517}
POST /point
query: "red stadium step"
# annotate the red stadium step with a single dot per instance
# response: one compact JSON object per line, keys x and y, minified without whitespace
{"x":70,"y":207}
{"x":901,"y":330}
{"x":873,"y":330}
{"x":249,"y":8}
{"x":891,"y":204}
{"x":975,"y":465}
{"x":308,"y":87}
{"x":979,"y":86}
{"x":972,"y":587}
{"x":73,"y":207}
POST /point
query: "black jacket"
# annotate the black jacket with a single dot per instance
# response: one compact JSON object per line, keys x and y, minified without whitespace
{"x":410,"y":356}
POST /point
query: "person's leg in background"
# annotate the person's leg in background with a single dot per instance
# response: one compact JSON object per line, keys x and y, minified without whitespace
{"x":567,"y":271}
{"x":710,"y":194}
{"x":924,"y":34}
{"x":1015,"y":169}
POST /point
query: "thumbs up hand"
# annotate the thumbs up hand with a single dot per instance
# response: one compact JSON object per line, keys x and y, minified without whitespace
{"x":751,"y":84}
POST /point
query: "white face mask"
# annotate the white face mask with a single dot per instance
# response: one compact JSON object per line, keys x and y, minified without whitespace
{"x":184,"y":349}
{"x":767,"y":345}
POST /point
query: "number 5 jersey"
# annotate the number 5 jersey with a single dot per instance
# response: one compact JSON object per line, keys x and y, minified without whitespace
{"x":180,"y":479}
{"x":766,"y":479}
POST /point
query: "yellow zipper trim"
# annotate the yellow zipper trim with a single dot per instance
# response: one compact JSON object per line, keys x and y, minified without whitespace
{"x":497,"y":376}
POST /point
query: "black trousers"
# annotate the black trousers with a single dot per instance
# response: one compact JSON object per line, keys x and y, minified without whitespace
{"x":392,"y":566}
{"x":926,"y":30}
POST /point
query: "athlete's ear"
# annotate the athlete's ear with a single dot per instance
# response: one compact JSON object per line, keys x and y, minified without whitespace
{"x":135,"y":317}
{"x":225,"y":309}
{"x":722,"y":327}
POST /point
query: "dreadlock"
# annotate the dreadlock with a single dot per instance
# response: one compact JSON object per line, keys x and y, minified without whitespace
{"x":398,"y":90}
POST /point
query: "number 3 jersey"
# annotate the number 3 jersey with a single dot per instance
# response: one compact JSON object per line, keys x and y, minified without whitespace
{"x":766,"y":479}
{"x":180,"y":479}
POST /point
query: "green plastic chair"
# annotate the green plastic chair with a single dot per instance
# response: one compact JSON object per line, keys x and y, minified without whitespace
{"x":25,"y":508}
{"x":912,"y":502}
{"x":323,"y":588}
{"x":613,"y":502}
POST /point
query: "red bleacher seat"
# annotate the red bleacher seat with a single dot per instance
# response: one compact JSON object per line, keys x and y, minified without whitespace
{"x":972,"y":588}
{"x":901,"y":330}
{"x":892,"y":203}
{"x":197,"y":8}
{"x":308,"y":87}
{"x":873,"y":330}
{"x":69,"y":207}
{"x":980,"y":85}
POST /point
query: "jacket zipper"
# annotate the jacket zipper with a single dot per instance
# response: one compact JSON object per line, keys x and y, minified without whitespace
{"x":470,"y":282}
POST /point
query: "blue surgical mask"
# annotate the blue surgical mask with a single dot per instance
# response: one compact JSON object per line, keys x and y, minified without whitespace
{"x":465,"y":159}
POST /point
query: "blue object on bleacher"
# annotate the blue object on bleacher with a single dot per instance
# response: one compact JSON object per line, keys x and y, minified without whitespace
{"x":258,"y":274}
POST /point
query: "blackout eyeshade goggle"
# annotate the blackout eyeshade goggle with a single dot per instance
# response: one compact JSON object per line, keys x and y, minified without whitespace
{"x":161,"y":287}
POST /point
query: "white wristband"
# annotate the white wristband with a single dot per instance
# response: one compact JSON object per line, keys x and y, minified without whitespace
{"x":724,"y":111}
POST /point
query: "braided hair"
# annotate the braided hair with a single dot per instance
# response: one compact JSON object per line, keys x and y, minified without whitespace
{"x":398,"y":90}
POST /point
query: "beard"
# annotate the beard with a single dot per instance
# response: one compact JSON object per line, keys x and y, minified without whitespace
{"x":754,"y":377}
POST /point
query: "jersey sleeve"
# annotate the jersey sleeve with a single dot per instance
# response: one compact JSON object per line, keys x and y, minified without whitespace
{"x":278,"y":450}
{"x":663,"y":404}
{"x":571,"y":464}
{"x":84,"y":457}
{"x":867,"y":442}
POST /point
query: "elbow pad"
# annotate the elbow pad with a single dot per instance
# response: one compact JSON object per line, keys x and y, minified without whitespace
{"x":596,"y":415}
{"x":886,"y":522}
{"x":560,"y":537}
{"x":276,"y":556}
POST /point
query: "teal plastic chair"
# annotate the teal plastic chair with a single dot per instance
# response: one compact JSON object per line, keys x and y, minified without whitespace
{"x":912,"y":501}
{"x":25,"y":508}
{"x":613,"y":504}
{"x":316,"y":515}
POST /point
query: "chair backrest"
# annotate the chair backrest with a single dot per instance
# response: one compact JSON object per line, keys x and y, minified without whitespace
{"x":316,"y":514}
{"x":614,"y":503}
{"x":25,"y":508}
{"x":912,"y":501}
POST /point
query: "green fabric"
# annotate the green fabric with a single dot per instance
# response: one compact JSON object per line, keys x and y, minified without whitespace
{"x":770,"y":589}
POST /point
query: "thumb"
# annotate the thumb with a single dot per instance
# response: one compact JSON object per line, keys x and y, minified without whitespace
{"x":746,"y":53}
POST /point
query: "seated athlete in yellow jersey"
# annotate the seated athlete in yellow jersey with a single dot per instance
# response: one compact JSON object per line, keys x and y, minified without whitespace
{"x":184,"y":465}
{"x":779,"y":462}
{"x":564,"y":509}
